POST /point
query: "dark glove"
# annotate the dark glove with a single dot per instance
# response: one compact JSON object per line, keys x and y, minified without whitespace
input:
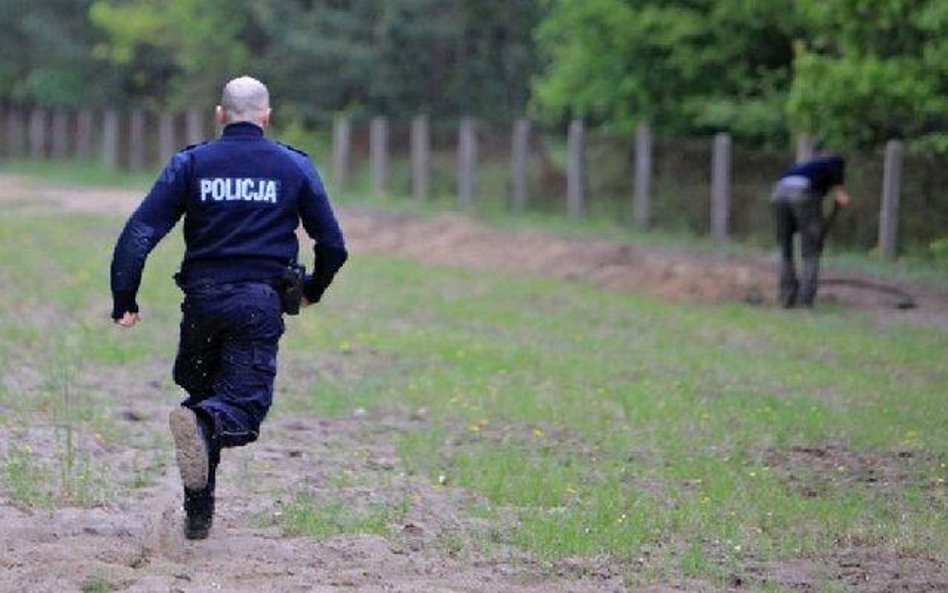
{"x":122,"y":303}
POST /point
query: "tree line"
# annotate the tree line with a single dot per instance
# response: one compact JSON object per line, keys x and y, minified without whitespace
{"x":854,"y":72}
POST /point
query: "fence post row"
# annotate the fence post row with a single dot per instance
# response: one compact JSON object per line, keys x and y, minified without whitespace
{"x":467,"y":163}
{"x":84,"y":134}
{"x":110,"y":132}
{"x":378,"y":154}
{"x":341,"y":139}
{"x":16,"y":134}
{"x":519,"y":165}
{"x":806,"y":147}
{"x":720,"y":186}
{"x":37,"y":133}
{"x":40,"y":133}
{"x":576,"y":170}
{"x":642,"y":198}
{"x":136,"y":141}
{"x":420,"y":158}
{"x":60,"y":145}
{"x":166,"y":139}
{"x":891,"y":190}
{"x":194,"y":126}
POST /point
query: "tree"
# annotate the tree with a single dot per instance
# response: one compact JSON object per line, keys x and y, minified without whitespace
{"x":172,"y":52}
{"x":46,"y":54}
{"x":875,"y":71}
{"x":443,"y":57}
{"x":683,"y":65}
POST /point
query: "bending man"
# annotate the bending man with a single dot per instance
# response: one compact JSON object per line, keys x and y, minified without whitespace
{"x":798,"y":208}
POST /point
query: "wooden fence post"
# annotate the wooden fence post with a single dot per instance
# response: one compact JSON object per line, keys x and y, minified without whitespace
{"x":576,"y":170}
{"x":110,"y":138}
{"x":341,"y":139}
{"x":166,"y":136}
{"x":136,"y":140}
{"x":37,"y":133}
{"x":420,"y":158}
{"x":378,"y":154}
{"x":806,"y":147}
{"x":84,"y":135}
{"x":16,"y":133}
{"x":194,"y":126}
{"x":720,"y":186}
{"x":891,"y":192}
{"x":642,"y":196}
{"x":60,"y":145}
{"x":520,"y":165}
{"x":467,"y":163}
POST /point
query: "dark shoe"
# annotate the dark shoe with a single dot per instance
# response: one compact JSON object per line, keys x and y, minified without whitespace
{"x":199,"y":514}
{"x":788,"y":294}
{"x":191,"y":451}
{"x":787,"y":286}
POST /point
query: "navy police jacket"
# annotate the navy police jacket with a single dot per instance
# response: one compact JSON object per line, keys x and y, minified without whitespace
{"x":822,"y":173}
{"x":242,"y":197}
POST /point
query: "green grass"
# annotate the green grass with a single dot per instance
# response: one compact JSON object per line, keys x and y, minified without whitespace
{"x":601,"y":423}
{"x":92,"y":172}
{"x":612,"y":422}
{"x":305,"y":515}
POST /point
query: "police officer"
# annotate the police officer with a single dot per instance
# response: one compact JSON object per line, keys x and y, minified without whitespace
{"x":798,"y":208}
{"x":242,"y":197}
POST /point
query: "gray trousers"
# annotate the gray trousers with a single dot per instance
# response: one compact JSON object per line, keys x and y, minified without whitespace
{"x":803,"y":216}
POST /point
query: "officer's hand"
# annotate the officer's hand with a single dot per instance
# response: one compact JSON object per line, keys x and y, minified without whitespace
{"x":127,"y":320}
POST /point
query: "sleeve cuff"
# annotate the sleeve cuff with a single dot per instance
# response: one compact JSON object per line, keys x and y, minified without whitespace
{"x":312,"y":291}
{"x":122,"y":303}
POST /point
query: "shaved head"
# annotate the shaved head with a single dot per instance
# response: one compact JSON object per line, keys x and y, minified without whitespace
{"x":245,"y":99}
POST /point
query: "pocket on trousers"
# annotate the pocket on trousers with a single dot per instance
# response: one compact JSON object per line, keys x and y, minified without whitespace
{"x":265,"y":359}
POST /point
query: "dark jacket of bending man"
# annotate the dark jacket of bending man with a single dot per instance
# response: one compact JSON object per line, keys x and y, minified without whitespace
{"x":242,"y":197}
{"x":798,"y":208}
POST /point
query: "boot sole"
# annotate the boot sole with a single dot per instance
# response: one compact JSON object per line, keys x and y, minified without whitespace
{"x":190,"y":448}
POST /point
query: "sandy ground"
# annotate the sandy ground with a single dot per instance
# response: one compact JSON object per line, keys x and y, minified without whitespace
{"x":137,"y":545}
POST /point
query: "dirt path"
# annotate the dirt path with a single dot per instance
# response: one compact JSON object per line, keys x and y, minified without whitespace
{"x":139,"y":547}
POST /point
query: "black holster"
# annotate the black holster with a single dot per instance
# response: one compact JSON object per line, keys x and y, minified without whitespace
{"x":290,"y":288}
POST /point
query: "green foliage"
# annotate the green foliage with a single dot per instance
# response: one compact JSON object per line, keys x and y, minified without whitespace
{"x":398,"y":58}
{"x":97,"y":584}
{"x":939,"y":251}
{"x":872,"y":71}
{"x":180,"y":41}
{"x":683,"y":65}
{"x":855,"y":72}
{"x":862,"y":72}
{"x":46,"y":57}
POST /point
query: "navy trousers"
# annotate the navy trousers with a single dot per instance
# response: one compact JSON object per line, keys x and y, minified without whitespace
{"x":806,"y":218}
{"x":227,"y":358}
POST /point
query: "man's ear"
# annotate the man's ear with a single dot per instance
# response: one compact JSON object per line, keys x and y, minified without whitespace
{"x":265,"y":120}
{"x":220,"y":114}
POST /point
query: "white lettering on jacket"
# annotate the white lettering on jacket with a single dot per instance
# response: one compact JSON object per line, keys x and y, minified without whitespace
{"x":239,"y":189}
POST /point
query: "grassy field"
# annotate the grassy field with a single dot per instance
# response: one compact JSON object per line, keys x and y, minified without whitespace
{"x":685,"y":440}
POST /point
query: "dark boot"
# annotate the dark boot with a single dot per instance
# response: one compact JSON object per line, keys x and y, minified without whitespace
{"x":197,"y":453}
{"x":199,"y":504}
{"x":199,"y":513}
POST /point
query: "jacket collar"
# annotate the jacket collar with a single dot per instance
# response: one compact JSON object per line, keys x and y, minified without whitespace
{"x":242,"y":129}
